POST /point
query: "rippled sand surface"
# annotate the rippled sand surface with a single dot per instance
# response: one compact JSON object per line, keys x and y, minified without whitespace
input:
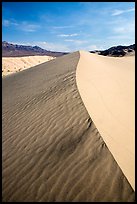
{"x":51,"y":149}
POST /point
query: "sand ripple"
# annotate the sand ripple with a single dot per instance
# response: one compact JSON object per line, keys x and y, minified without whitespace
{"x":52,"y":150}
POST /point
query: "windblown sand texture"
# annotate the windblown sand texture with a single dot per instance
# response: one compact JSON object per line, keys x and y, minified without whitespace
{"x":16,"y":64}
{"x":52,"y":150}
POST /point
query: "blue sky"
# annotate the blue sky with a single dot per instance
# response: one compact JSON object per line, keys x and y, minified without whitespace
{"x":69,"y":26}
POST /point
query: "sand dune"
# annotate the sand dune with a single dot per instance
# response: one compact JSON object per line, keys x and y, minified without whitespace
{"x":15,"y":64}
{"x":107,"y":87}
{"x":52,"y":150}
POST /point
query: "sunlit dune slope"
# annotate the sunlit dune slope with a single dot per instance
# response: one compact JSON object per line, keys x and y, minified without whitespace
{"x":107,"y":88}
{"x":51,"y":149}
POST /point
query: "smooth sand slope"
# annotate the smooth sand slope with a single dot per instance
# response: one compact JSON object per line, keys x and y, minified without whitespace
{"x":107,"y":88}
{"x":52,"y":150}
{"x":16,"y":64}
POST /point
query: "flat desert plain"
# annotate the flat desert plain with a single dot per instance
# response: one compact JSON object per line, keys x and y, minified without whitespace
{"x":53,"y":146}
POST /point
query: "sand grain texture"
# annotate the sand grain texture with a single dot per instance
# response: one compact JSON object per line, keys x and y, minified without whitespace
{"x":52,"y":150}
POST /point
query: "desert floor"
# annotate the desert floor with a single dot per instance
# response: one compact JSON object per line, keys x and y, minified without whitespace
{"x":51,"y":148}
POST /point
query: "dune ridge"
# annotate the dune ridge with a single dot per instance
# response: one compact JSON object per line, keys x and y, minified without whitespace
{"x":52,"y":150}
{"x":107,"y":87}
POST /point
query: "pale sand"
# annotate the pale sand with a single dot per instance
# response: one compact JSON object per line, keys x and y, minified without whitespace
{"x":15,"y":64}
{"x":107,"y":88}
{"x":52,"y":150}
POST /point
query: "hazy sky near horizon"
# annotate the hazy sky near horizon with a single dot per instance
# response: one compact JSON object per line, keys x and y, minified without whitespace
{"x":69,"y":26}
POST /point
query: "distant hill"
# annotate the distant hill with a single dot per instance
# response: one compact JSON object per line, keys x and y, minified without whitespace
{"x":12,"y":50}
{"x":117,"y":51}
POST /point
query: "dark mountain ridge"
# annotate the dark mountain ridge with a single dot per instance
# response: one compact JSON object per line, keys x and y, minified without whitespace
{"x":117,"y":51}
{"x":13,"y":50}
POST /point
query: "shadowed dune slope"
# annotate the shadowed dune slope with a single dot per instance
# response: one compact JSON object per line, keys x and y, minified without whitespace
{"x":52,"y":150}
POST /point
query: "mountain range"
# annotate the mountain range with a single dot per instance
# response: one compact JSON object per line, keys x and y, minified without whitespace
{"x":14,"y":50}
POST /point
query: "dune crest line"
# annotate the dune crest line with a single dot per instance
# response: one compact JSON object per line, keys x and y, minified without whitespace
{"x":51,"y":149}
{"x":107,"y":88}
